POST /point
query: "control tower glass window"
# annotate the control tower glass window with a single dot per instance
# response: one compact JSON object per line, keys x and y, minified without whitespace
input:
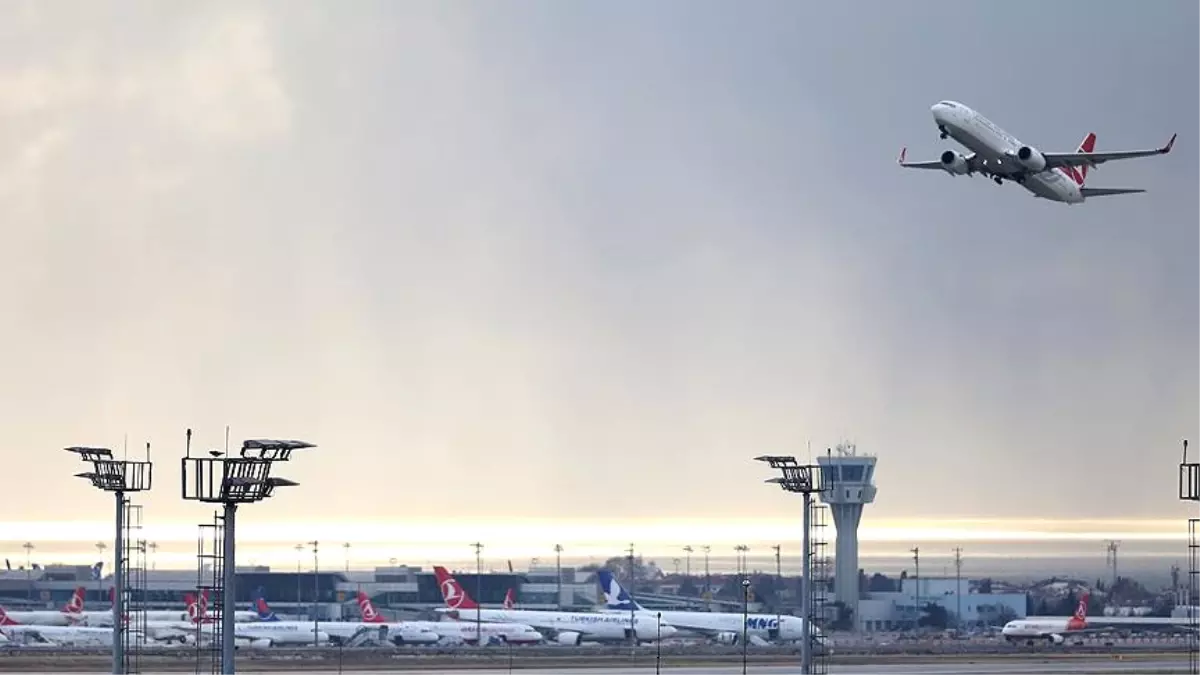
{"x":853,"y":473}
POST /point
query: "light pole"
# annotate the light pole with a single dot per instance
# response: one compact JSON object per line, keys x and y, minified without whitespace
{"x":100,"y":547}
{"x":346,"y":547}
{"x":916,"y":551}
{"x":806,"y":480}
{"x":299,"y":561}
{"x":658,"y":645}
{"x":558,"y":549}
{"x":687,"y":561}
{"x":231,"y":481}
{"x":316,"y":594}
{"x":153,"y":546}
{"x":118,"y":477}
{"x":28,"y":546}
{"x":478,"y":593}
{"x":778,"y":580}
{"x":632,"y":618}
{"x":707,"y":580}
{"x":745,"y":619}
{"x":958,"y":586}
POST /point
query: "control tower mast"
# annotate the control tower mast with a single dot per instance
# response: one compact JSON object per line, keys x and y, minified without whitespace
{"x":848,"y":478}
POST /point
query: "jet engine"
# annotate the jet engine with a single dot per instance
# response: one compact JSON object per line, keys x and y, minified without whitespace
{"x":1057,"y":639}
{"x":954,"y":163}
{"x":415,"y":636}
{"x":728,"y":638}
{"x":253,"y":643}
{"x":569,"y":638}
{"x":1031,"y":158}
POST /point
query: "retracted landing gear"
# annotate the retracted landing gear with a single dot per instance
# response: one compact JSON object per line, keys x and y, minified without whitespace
{"x":998,"y":179}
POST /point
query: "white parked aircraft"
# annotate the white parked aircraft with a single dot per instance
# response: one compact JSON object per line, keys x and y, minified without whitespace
{"x":1057,"y":176}
{"x":568,"y":628}
{"x":1049,"y":628}
{"x":464,"y":631}
{"x":725,"y":627}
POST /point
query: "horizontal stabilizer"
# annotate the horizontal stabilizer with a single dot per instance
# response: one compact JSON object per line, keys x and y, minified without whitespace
{"x":1100,"y":192}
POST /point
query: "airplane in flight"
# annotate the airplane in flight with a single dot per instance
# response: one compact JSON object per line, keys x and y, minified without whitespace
{"x":997,"y":154}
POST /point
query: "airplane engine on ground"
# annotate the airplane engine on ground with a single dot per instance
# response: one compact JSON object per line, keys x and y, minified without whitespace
{"x":1031,"y":158}
{"x":1057,"y":639}
{"x":414,"y":636}
{"x":569,"y":638}
{"x":728,"y":638}
{"x":253,"y":643}
{"x":954,"y":163}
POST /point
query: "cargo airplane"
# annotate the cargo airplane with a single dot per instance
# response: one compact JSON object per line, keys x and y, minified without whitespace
{"x":1056,"y":176}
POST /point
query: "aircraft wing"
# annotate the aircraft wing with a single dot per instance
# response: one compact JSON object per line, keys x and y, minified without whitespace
{"x":931,"y":164}
{"x":1100,"y":192}
{"x":1055,"y":159}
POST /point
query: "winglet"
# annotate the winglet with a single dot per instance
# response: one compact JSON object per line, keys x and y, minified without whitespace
{"x":1170,"y":144}
{"x":904,"y":151}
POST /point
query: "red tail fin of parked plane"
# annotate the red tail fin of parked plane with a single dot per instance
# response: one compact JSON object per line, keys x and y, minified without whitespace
{"x":510,"y":599}
{"x":1078,"y":620}
{"x":5,"y":620}
{"x":75,"y":604}
{"x":452,"y":592}
{"x":369,"y":613}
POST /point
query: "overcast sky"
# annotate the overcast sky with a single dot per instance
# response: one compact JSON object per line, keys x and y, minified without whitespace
{"x":587,"y":259}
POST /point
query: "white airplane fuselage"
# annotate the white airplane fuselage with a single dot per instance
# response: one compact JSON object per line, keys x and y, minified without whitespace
{"x":593,"y":626}
{"x":1050,"y":628}
{"x":767,"y":626}
{"x":998,"y":148}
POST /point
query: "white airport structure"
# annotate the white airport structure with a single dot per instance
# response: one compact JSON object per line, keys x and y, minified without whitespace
{"x":848,"y":481}
{"x":898,"y":610}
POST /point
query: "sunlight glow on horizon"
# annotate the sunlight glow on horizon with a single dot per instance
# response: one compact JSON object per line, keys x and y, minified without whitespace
{"x":524,"y":534}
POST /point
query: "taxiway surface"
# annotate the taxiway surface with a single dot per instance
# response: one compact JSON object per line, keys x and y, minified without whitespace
{"x":1032,"y":666}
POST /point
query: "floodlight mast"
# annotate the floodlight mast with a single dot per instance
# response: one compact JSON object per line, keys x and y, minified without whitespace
{"x":118,"y":476}
{"x":230,"y":481}
{"x":804,"y":479}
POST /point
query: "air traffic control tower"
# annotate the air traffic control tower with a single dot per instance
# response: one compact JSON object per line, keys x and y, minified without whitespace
{"x":848,"y":481}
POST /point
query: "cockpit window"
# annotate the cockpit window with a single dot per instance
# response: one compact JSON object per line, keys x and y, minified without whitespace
{"x":948,"y":104}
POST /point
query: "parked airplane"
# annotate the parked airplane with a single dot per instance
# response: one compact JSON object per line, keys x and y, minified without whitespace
{"x":461,"y":631}
{"x":1057,"y":176}
{"x":343,"y":632}
{"x":1049,"y":628}
{"x":725,"y":627}
{"x":568,"y":628}
{"x":49,"y":617}
{"x":16,"y":632}
{"x":193,"y":611}
{"x":258,"y":634}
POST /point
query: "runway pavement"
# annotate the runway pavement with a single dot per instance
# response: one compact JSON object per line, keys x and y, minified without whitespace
{"x":1079,"y":667}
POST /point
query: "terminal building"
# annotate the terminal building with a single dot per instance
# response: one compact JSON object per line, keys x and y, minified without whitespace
{"x":898,"y":610}
{"x":399,"y":590}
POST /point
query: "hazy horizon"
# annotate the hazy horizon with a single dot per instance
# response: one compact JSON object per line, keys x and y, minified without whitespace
{"x":578,"y":264}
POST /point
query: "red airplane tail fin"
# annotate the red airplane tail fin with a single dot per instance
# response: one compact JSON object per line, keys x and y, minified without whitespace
{"x":510,"y":599}
{"x":453,"y":593}
{"x":6,"y":620}
{"x":369,"y":613}
{"x":75,"y":604}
